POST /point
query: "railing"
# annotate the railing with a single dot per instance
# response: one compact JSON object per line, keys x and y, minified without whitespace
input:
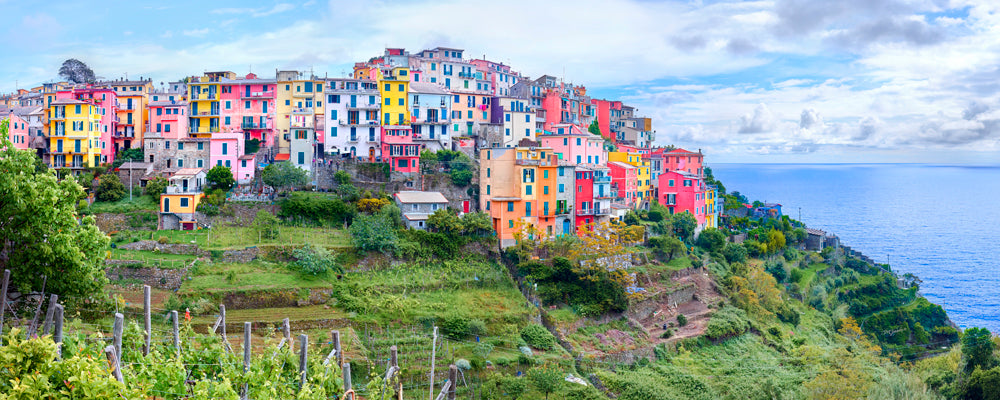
{"x":602,"y":211}
{"x":176,"y":189}
{"x":301,"y":124}
{"x":203,"y":96}
{"x":585,"y":211}
{"x":258,"y":95}
{"x":304,"y":94}
{"x":254,"y":126}
{"x":564,"y":210}
{"x":466,"y":75}
{"x":305,"y":110}
{"x":211,"y":113}
{"x":362,"y":106}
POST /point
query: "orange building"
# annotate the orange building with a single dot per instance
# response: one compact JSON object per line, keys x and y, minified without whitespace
{"x":518,"y":189}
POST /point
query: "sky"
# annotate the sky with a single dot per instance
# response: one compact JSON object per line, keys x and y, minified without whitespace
{"x":808,"y":81}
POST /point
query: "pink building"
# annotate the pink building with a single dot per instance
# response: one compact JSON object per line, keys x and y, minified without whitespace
{"x":17,"y":131}
{"x":248,"y":107}
{"x":245,"y":169}
{"x":225,"y":149}
{"x":570,"y":143}
{"x":683,"y":160}
{"x":625,"y":182}
{"x":168,"y":119}
{"x":399,"y":150}
{"x":682,"y":191}
{"x":605,"y":109}
{"x":567,"y":104}
{"x":107,"y":100}
{"x":500,"y":77}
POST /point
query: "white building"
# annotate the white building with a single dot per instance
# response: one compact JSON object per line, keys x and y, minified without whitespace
{"x":430,"y":112}
{"x":517,"y":118}
{"x":352,"y":129}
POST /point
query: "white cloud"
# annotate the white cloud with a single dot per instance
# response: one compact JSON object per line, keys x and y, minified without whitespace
{"x":196,"y":32}
{"x":256,"y":12}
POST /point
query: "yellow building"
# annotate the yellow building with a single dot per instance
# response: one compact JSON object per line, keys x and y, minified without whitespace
{"x":203,"y":99}
{"x":645,"y":187}
{"x":299,"y":96}
{"x":74,"y":134}
{"x":181,"y":198}
{"x":394,"y":87}
{"x":711,"y":214}
{"x":133,"y":98}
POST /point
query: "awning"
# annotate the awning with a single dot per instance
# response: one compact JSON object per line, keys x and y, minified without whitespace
{"x":282,"y":157}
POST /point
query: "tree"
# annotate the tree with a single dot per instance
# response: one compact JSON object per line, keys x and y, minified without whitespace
{"x":110,"y":188}
{"x":775,"y":241}
{"x":342,"y":177}
{"x":445,"y":221}
{"x":315,"y":260}
{"x":978,"y":347}
{"x":712,"y":239}
{"x":75,"y":71}
{"x":39,"y":231}
{"x":983,"y":384}
{"x":123,"y":156}
{"x":373,"y":232}
{"x":476,"y":223}
{"x":283,"y":175}
{"x":220,"y":177}
{"x":734,"y":252}
{"x":265,"y":224}
{"x":684,"y":225}
{"x":594,"y":128}
{"x":546,"y":379}
{"x":461,"y":177}
{"x":666,"y":246}
{"x":156,"y":186}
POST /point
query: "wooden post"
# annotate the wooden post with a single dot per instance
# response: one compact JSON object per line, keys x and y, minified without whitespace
{"x":453,"y":379}
{"x":146,"y":309}
{"x":335,"y":335}
{"x":286,"y":327}
{"x":3,"y":300}
{"x":246,"y":356}
{"x":347,"y":378}
{"x":33,"y":328}
{"x":117,"y":332}
{"x":177,"y":333}
{"x":433,"y":353}
{"x":47,"y":326}
{"x":225,"y":338}
{"x":57,"y":331}
{"x":303,"y":358}
{"x":113,"y":363}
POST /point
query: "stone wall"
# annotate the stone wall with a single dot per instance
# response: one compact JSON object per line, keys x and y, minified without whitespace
{"x":238,"y":214}
{"x":136,"y":220}
{"x":170,"y":248}
{"x":273,"y":299}
{"x":645,"y":308}
{"x":168,"y":279}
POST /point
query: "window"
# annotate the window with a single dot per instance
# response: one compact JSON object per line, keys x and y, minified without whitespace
{"x":545,"y":173}
{"x":180,"y":145}
{"x":388,"y":87}
{"x":400,"y":101}
{"x":401,"y":88}
{"x":302,"y":158}
{"x":159,"y":111}
{"x":288,"y":102}
{"x":527,"y":117}
{"x":527,"y":209}
{"x":562,"y":188}
{"x":545,"y":190}
{"x":527,"y":190}
{"x":201,"y":146}
{"x":184,"y":200}
{"x":511,"y":223}
{"x":487,"y":190}
{"x":227,"y":120}
{"x":388,"y":101}
{"x":200,"y":164}
{"x":166,"y":145}
{"x":488,"y":172}
{"x":225,"y":148}
{"x":333,"y":131}
{"x":510,"y":206}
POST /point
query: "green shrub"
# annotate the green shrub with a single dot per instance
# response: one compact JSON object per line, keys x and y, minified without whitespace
{"x":681,"y":320}
{"x":110,"y":188}
{"x":455,"y":325}
{"x":727,"y":322}
{"x":538,"y":337}
{"x":477,"y":327}
{"x":314,"y":260}
{"x":735,"y":253}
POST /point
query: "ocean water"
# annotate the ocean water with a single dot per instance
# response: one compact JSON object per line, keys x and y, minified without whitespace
{"x":939,"y":222}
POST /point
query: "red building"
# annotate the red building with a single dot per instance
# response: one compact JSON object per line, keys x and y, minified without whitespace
{"x":683,"y":160}
{"x":625,"y":182}
{"x":584,"y":195}
{"x":681,"y":191}
{"x":606,"y":109}
{"x":399,"y":150}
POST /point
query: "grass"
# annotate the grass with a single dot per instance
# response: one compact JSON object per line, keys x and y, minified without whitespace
{"x":228,"y":238}
{"x":151,"y":257}
{"x":809,"y":274}
{"x":219,"y":277}
{"x":275,"y":314}
{"x":138,"y":203}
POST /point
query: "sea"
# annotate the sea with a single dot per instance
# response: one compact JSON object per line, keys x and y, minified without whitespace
{"x":939,"y":222}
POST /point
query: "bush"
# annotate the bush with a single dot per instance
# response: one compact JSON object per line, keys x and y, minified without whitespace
{"x":110,"y":188}
{"x":318,"y":209}
{"x":538,"y":337}
{"x":681,"y":320}
{"x":461,"y":177}
{"x":373,"y":233}
{"x":265,"y":224}
{"x":728,"y":322}
{"x":156,"y":186}
{"x":735,"y":253}
{"x":712,"y":239}
{"x":455,"y":325}
{"x":342,"y":177}
{"x":220,"y":177}
{"x":477,"y":327}
{"x":463,"y":364}
{"x":163,"y":240}
{"x":314,"y":260}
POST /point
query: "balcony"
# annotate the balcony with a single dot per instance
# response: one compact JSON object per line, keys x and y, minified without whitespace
{"x":258,"y":95}
{"x":363,"y":106}
{"x":603,"y":179}
{"x":177,"y":189}
{"x":204,"y":96}
{"x":301,"y":124}
{"x":303,"y":111}
{"x":466,"y":75}
{"x":203,"y":131}
{"x":585,"y":211}
{"x":564,"y":210}
{"x":603,"y":196}
{"x":304,"y":94}
{"x":602,"y":211}
{"x":250,"y":126}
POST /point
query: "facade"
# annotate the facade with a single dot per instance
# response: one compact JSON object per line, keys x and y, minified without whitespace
{"x":17,"y":129}
{"x":168,"y":119}
{"x":684,"y":192}
{"x":572,"y":145}
{"x":204,"y":93}
{"x":683,"y":160}
{"x":565,"y":223}
{"x":625,"y":182}
{"x":584,"y":196}
{"x":75,"y":134}
{"x":603,"y":195}
{"x":645,"y":186}
{"x":353,"y":110}
{"x":106,"y":101}
{"x":517,"y":118}
{"x":133,"y":98}
{"x":518,"y":188}
{"x":225,"y":149}
{"x":430,"y":112}
{"x":247,"y":107}
{"x":170,"y":154}
{"x":180,"y":202}
{"x":418,"y":206}
{"x":499,"y":76}
{"x":608,"y":114}
{"x":245,"y":169}
{"x":298,"y":95}
{"x":398,"y":147}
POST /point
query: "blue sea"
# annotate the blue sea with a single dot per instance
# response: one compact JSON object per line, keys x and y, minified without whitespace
{"x":939,"y":222}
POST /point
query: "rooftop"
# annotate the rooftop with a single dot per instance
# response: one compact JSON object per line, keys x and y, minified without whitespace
{"x":409,"y":197}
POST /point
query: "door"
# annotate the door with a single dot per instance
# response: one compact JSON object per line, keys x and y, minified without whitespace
{"x":354,"y":100}
{"x":465,"y":206}
{"x":566,"y":228}
{"x":166,"y":204}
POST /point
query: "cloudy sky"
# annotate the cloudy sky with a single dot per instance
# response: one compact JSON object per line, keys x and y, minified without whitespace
{"x":751,"y":81}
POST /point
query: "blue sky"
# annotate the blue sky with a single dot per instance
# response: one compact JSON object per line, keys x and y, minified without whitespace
{"x":746,"y":81}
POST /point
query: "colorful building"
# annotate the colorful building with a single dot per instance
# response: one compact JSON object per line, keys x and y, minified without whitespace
{"x":430,"y":115}
{"x":17,"y":129}
{"x":499,"y":76}
{"x":299,"y":95}
{"x":516,"y":117}
{"x":353,"y":112}
{"x":247,"y":107}
{"x":584,"y":196}
{"x":682,"y":191}
{"x":638,"y":160}
{"x":168,"y":119}
{"x":179,"y":203}
{"x":608,"y":114}
{"x":204,"y":93}
{"x":106,"y":100}
{"x":683,"y":160}
{"x":518,"y":188}
{"x":225,"y":149}
{"x":570,"y":143}
{"x":133,"y":98}
{"x":398,"y":147}
{"x":625,"y":182}
{"x":75,"y":134}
